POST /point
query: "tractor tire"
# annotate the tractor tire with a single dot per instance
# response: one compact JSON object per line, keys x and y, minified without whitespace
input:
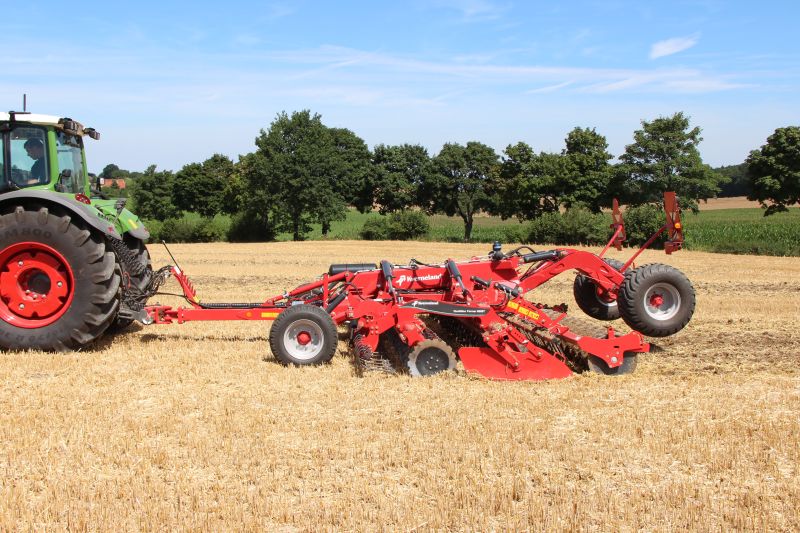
{"x":599,"y":366}
{"x":132,"y":279}
{"x":592,"y":303}
{"x":656,"y":300}
{"x":430,"y":357}
{"x":59,"y":286}
{"x":303,"y":335}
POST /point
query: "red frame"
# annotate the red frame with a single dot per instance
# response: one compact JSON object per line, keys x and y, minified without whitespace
{"x":373,"y":304}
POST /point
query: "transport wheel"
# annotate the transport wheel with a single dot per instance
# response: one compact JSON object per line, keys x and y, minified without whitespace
{"x":600,"y":367}
{"x":136,"y":277}
{"x":590,"y":297}
{"x":303,"y":335}
{"x":59,"y":289}
{"x":656,"y":300}
{"x":430,"y":357}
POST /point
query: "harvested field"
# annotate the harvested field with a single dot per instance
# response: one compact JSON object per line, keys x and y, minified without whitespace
{"x":195,"y":427}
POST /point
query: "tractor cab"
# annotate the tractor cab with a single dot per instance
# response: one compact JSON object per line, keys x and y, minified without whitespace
{"x":43,"y":152}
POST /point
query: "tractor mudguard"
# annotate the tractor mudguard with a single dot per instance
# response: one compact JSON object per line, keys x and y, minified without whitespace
{"x":126,"y":222}
{"x":87,"y":213}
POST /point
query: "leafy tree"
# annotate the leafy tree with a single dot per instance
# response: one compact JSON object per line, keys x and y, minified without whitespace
{"x":352,"y":173}
{"x":253,"y":196}
{"x":739,"y":184}
{"x":108,"y":171}
{"x":460,"y":184}
{"x":775,"y":171}
{"x":664,"y":157}
{"x":588,"y":172}
{"x":527,"y":184}
{"x":399,"y":173}
{"x":295,"y":170}
{"x":152,"y":194}
{"x":200,"y":188}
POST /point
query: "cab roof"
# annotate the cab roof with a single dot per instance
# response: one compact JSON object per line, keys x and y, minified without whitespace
{"x":73,"y":126}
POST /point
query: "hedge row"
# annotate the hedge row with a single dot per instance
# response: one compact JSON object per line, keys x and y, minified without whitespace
{"x":574,"y":227}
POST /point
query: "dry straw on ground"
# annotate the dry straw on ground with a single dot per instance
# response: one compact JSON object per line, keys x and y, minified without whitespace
{"x":195,"y":427}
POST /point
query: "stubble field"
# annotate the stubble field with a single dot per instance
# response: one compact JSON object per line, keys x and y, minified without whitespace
{"x":196,"y":427}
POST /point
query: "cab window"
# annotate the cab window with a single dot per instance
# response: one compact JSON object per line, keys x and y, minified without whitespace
{"x":69,"y":149}
{"x":29,"y":164}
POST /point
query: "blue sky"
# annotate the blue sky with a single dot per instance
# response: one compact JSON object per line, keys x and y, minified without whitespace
{"x":171,"y":83}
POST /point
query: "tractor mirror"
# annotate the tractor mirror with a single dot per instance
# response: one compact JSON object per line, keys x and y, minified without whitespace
{"x":93,"y":133}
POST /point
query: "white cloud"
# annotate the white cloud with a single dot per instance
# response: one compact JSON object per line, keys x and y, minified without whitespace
{"x":673,"y":46}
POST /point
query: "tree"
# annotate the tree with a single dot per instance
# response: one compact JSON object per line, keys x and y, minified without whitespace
{"x":664,"y":157}
{"x":152,"y":194}
{"x":295,"y":170}
{"x":352,"y":173}
{"x":460,"y":184}
{"x":588,"y":172}
{"x":775,"y":171}
{"x":527,"y":184}
{"x":739,"y":184}
{"x":108,"y":171}
{"x":201,"y":187}
{"x":399,"y":173}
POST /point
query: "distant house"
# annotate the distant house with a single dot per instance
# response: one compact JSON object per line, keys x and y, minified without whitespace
{"x":111,"y":182}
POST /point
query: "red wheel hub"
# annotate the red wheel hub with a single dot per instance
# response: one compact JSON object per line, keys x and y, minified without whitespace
{"x":656,"y":300}
{"x":36,"y":285}
{"x":303,"y":338}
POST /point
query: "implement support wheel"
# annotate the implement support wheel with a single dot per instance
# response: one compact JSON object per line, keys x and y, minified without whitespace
{"x":591,"y":298}
{"x":303,"y":335}
{"x":656,"y":300}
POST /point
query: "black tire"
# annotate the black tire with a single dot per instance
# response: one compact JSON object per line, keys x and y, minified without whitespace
{"x":303,"y":335}
{"x":132,"y":279}
{"x":83,"y":268}
{"x":656,"y":300}
{"x":628,"y":365}
{"x":591,"y":303}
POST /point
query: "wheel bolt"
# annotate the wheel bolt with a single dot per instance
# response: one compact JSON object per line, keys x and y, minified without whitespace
{"x":613,"y":359}
{"x":19,"y":263}
{"x":59,"y":284}
{"x":22,"y":306}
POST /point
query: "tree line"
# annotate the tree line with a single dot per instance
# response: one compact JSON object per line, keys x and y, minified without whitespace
{"x":304,"y":172}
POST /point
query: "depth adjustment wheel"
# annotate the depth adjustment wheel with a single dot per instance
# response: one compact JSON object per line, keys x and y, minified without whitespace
{"x":431,"y":357}
{"x":303,"y":335}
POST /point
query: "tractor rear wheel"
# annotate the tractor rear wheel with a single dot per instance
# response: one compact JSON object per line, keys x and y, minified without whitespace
{"x":303,"y":335}
{"x":592,"y":300}
{"x":656,"y":300}
{"x":59,"y":289}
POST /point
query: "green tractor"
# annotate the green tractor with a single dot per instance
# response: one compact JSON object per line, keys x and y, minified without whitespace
{"x":72,"y":263}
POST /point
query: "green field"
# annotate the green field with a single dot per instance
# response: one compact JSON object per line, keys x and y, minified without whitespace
{"x":744,"y":231}
{"x":738,"y":231}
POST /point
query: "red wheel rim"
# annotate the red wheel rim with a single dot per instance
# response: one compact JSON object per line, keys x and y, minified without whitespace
{"x":36,"y":285}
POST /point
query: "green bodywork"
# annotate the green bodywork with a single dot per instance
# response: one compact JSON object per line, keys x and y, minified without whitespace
{"x":122,"y":220}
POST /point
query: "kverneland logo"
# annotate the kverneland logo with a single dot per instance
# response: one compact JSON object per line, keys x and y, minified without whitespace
{"x":403,"y":279}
